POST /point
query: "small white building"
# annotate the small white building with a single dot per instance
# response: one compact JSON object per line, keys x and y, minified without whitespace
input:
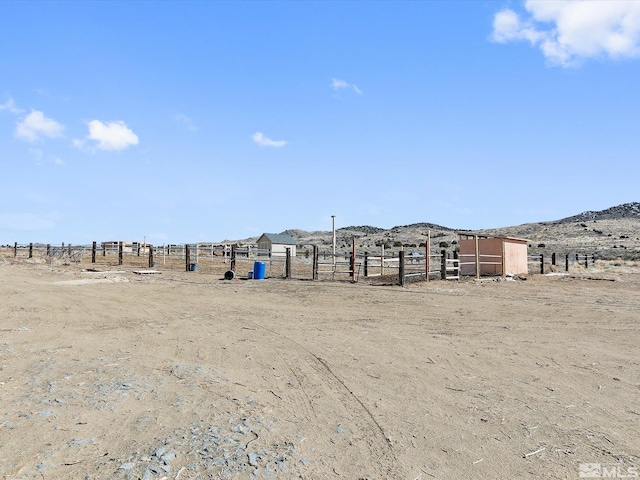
{"x":127,"y":247}
{"x":277,"y":244}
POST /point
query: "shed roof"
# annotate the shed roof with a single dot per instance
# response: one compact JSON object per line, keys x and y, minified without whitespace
{"x":279,"y":238}
{"x":472,"y":234}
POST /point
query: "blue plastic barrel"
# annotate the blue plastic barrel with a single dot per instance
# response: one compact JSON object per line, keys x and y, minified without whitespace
{"x":259,"y":270}
{"x":194,"y":267}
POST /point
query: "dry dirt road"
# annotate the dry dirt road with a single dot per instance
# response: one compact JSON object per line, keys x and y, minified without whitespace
{"x":184,"y":376}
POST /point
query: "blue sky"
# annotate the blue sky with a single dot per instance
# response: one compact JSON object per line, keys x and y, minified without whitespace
{"x":203,"y":121}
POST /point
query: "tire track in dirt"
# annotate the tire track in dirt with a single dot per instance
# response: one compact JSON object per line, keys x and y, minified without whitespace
{"x":320,"y":388}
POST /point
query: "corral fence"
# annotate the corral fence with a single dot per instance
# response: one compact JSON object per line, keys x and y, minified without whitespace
{"x":542,"y":263}
{"x":311,"y":263}
{"x":64,"y":253}
{"x":405,"y":267}
{"x":481,"y":262}
{"x":211,"y":258}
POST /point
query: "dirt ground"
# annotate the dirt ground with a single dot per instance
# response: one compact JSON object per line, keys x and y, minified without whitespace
{"x":182,"y":375}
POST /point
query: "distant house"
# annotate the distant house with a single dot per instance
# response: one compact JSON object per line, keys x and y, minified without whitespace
{"x":127,"y":247}
{"x":495,"y":255}
{"x":277,"y":244}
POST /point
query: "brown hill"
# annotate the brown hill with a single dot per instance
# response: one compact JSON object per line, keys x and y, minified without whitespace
{"x":612,"y":233}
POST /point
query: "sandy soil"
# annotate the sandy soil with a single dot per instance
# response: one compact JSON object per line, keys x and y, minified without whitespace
{"x":182,"y":376}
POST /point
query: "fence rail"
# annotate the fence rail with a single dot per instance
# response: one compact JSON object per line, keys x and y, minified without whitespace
{"x":545,"y":263}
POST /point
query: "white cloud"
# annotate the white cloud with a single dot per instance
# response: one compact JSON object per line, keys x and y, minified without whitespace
{"x":568,"y":31}
{"x":181,"y":118}
{"x":110,"y":136}
{"x":338,"y":84}
{"x":35,"y":126}
{"x":41,"y":158}
{"x":263,"y":141}
{"x":10,"y":106}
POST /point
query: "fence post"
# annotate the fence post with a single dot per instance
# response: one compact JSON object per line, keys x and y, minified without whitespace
{"x":69,"y":249}
{"x":542,"y":264}
{"x":553,"y":259}
{"x":287,"y":267}
{"x":503,"y":260}
{"x":232,"y":261}
{"x":401,"y":267}
{"x":566,"y":262}
{"x":443,"y":264}
{"x":150,"y":256}
{"x":15,"y":249}
{"x":104,"y":249}
{"x":187,"y":257}
{"x":31,"y":250}
{"x":314,"y":274}
{"x":48,"y":249}
{"x":352,"y":261}
{"x":477,"y":252}
{"x":586,"y":260}
{"x":93,"y":252}
{"x":366,"y":264}
{"x":427,"y":251}
{"x":119,"y":253}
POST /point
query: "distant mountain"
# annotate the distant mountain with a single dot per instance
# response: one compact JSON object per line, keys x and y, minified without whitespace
{"x":614,"y":232}
{"x":611,"y":233}
{"x":424,"y":226}
{"x":626,"y":210}
{"x":366,"y":229}
{"x":371,"y":238}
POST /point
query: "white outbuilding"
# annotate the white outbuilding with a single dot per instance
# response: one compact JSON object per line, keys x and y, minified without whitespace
{"x":277,"y":244}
